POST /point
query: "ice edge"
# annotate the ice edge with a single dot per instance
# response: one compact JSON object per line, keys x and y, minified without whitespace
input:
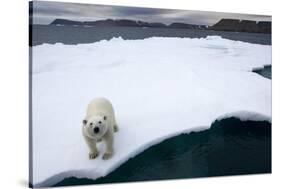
{"x":91,"y":174}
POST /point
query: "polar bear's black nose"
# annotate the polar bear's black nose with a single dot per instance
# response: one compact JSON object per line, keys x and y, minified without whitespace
{"x":96,"y":130}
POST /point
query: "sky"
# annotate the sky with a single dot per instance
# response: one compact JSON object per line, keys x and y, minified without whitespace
{"x":45,"y":12}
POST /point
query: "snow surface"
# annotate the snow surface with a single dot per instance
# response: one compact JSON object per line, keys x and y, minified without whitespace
{"x":159,"y":87}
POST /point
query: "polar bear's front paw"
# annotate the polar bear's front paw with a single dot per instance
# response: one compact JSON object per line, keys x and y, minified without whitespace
{"x":93,"y":155}
{"x":107,"y":155}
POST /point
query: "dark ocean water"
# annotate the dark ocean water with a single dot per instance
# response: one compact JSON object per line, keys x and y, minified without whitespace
{"x":265,"y":72}
{"x":80,"y":34}
{"x":52,"y":34}
{"x":229,"y":147}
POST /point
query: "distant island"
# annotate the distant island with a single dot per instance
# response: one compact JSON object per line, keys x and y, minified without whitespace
{"x":242,"y":26}
{"x":124,"y":22}
{"x":223,"y":25}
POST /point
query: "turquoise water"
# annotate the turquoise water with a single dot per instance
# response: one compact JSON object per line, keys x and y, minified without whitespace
{"x":229,"y":147}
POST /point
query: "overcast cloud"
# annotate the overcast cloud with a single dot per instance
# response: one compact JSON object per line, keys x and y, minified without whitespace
{"x":45,"y":12}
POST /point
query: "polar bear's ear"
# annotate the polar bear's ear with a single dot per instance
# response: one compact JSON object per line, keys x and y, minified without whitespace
{"x":104,"y":117}
{"x":84,"y":121}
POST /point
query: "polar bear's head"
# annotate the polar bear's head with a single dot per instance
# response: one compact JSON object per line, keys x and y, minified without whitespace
{"x":95,"y":126}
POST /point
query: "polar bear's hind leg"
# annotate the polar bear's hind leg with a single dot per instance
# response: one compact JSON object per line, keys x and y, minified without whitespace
{"x":115,"y":127}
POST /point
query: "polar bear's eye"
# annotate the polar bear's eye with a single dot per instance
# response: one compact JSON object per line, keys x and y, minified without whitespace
{"x":91,"y":124}
{"x":84,"y":121}
{"x":99,"y":122}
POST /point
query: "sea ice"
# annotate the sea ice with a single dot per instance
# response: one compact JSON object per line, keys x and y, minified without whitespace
{"x":159,"y":87}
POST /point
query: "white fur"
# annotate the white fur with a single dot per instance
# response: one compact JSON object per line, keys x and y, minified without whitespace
{"x":100,"y":114}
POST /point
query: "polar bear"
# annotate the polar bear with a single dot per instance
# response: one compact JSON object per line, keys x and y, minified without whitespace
{"x":99,"y":124}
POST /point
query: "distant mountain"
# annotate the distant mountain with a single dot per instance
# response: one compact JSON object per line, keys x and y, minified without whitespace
{"x":242,"y":26}
{"x":66,"y":22}
{"x":124,"y":22}
{"x":223,"y":25}
{"x":187,"y":26}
